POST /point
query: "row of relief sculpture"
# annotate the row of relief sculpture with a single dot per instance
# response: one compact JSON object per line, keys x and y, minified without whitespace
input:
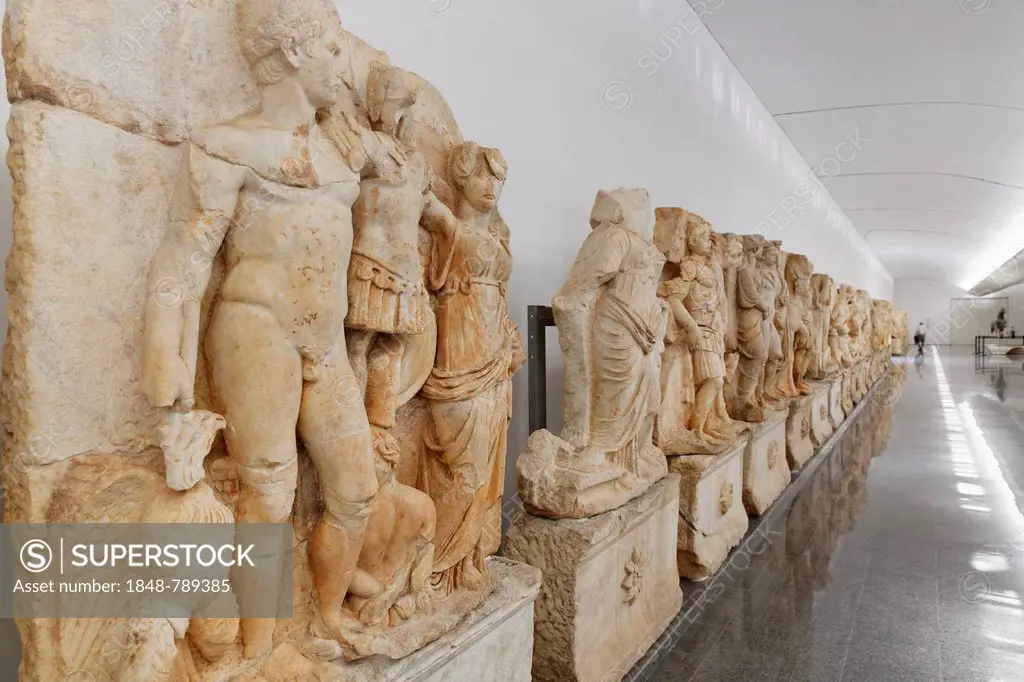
{"x":334,"y":268}
{"x":674,"y":342}
{"x":325,"y":344}
{"x":790,"y":325}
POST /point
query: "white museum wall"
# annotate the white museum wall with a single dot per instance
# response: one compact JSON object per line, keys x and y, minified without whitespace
{"x":950,"y":316}
{"x":588,"y":94}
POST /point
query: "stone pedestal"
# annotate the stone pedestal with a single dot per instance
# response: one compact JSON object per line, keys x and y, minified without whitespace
{"x":861,"y":381}
{"x":493,"y":642}
{"x":712,"y":519}
{"x":765,"y":470}
{"x":883,"y":363}
{"x":799,"y":446}
{"x":849,"y":379}
{"x":821,"y":418}
{"x":835,"y":402}
{"x":610,"y":585}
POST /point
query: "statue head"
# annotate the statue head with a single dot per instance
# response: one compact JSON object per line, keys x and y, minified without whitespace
{"x":670,"y":233}
{"x":390,"y":93}
{"x":824,"y":288}
{"x":732,"y":255}
{"x":298,"y":39}
{"x":698,"y":235}
{"x":846,"y":294}
{"x":628,"y":208}
{"x":770,"y":254}
{"x":478,"y":174}
{"x":798,"y":273}
{"x":753,"y":247}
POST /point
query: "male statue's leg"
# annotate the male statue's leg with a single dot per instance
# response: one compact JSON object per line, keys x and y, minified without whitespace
{"x":257,"y":375}
{"x":335,"y":430}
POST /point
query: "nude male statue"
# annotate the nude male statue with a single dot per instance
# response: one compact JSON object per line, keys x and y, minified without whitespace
{"x":282,"y":219}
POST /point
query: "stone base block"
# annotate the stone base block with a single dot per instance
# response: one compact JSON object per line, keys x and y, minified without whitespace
{"x":849,"y":379}
{"x":835,"y":402}
{"x":765,"y":470}
{"x":821,"y":419}
{"x":712,"y":519}
{"x":799,"y":446}
{"x":610,"y":585}
{"x":861,"y":381}
{"x":493,"y":642}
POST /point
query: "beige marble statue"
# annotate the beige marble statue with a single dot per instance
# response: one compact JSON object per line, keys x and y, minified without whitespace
{"x":799,"y":272}
{"x":861,"y":330}
{"x":823,"y":300}
{"x":611,"y":328}
{"x":274,"y":359}
{"x":263,"y":334}
{"x":693,"y":417}
{"x":478,"y":350}
{"x":388,"y":303}
{"x":730,"y":251}
{"x":839,"y":330}
{"x":792,"y":321}
{"x":773,"y":386}
{"x":757,"y":286}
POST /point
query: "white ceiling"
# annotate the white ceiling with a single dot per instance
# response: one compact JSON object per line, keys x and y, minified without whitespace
{"x":933,"y":89}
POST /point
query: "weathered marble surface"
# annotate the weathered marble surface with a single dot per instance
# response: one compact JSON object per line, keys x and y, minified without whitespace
{"x":799,"y":444}
{"x":823,"y":300}
{"x":211,"y":117}
{"x":497,"y":638}
{"x":611,"y":327}
{"x":610,"y":587}
{"x":758,"y":283}
{"x":849,"y":388}
{"x":712,"y":518}
{"x":766,"y":471}
{"x":835,"y":401}
{"x":694,"y":417}
{"x":822,"y":425}
{"x":785,"y":379}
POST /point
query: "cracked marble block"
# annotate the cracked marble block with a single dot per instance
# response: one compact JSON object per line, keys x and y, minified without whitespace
{"x":835,"y":402}
{"x":712,"y":519}
{"x":610,"y":585}
{"x":799,"y":446}
{"x":766,"y":472}
{"x":821,"y":419}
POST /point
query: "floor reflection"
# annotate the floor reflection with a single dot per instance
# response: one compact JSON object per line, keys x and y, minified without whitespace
{"x":758,"y":619}
{"x":900,"y":557}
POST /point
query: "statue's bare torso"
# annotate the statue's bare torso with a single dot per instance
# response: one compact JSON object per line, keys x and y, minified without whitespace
{"x":289,"y":244}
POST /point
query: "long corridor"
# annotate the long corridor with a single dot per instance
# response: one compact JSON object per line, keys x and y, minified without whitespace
{"x":899,"y":556}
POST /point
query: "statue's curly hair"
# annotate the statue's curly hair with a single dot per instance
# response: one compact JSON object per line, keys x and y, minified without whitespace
{"x":463,"y":160}
{"x":267,"y":26}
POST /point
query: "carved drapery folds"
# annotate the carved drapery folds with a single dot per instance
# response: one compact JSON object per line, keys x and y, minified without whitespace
{"x":611,"y":328}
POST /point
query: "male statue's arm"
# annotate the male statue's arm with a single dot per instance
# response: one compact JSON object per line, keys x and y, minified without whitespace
{"x":674,"y":293}
{"x":202,"y":209}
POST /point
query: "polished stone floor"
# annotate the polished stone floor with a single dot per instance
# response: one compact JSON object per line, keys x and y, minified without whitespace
{"x":899,"y":556}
